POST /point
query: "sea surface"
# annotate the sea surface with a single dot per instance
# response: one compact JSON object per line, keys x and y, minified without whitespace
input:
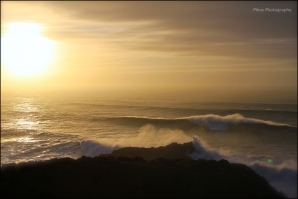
{"x":262,"y":136}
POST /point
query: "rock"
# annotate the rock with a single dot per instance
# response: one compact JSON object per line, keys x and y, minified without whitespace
{"x":223,"y":162}
{"x":125,"y":177}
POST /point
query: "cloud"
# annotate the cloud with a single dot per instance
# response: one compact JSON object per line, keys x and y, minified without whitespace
{"x":197,"y":28}
{"x":236,"y":18}
{"x":227,"y":29}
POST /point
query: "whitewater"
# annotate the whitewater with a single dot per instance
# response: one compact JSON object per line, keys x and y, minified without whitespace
{"x":262,"y":136}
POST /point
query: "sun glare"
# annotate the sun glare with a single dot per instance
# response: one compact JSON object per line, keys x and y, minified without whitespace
{"x":24,"y":51}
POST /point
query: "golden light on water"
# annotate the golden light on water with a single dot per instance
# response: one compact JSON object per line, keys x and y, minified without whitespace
{"x":25,"y":106}
{"x":26,"y":124}
{"x":24,"y":50}
{"x":26,"y":139}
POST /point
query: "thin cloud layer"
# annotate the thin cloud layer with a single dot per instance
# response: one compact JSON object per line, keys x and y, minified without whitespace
{"x":194,"y":28}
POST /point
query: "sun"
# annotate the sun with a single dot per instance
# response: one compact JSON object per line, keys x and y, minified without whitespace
{"x":24,"y":51}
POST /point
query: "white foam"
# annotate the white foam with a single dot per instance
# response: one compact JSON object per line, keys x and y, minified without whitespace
{"x":284,"y":171}
{"x":282,"y":176}
{"x":204,"y":151}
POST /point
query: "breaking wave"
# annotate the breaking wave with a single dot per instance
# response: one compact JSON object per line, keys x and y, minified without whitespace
{"x":216,"y":122}
{"x":211,"y":121}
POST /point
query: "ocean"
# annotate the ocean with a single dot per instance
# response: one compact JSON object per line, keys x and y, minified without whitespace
{"x":262,"y":136}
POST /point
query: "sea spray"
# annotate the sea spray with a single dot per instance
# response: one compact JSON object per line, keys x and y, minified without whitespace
{"x":148,"y":136}
{"x":92,"y":148}
{"x":204,"y":151}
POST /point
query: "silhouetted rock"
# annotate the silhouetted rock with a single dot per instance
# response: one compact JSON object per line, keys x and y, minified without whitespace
{"x":133,"y":177}
{"x":172,"y":151}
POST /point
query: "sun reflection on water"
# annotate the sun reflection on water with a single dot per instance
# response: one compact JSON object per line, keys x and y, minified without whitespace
{"x":26,"y":105}
{"x":26,"y":139}
{"x":26,"y":110}
{"x":25,"y":124}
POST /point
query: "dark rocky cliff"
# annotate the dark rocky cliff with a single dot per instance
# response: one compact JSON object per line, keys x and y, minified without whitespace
{"x":126,"y":177}
{"x":171,"y":151}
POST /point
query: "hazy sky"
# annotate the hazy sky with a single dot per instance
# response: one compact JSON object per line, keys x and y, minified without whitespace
{"x":220,"y":47}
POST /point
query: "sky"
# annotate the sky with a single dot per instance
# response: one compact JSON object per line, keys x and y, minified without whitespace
{"x":211,"y":50}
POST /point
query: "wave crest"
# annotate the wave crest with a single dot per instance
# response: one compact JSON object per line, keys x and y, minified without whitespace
{"x":216,"y":122}
{"x":211,"y":121}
